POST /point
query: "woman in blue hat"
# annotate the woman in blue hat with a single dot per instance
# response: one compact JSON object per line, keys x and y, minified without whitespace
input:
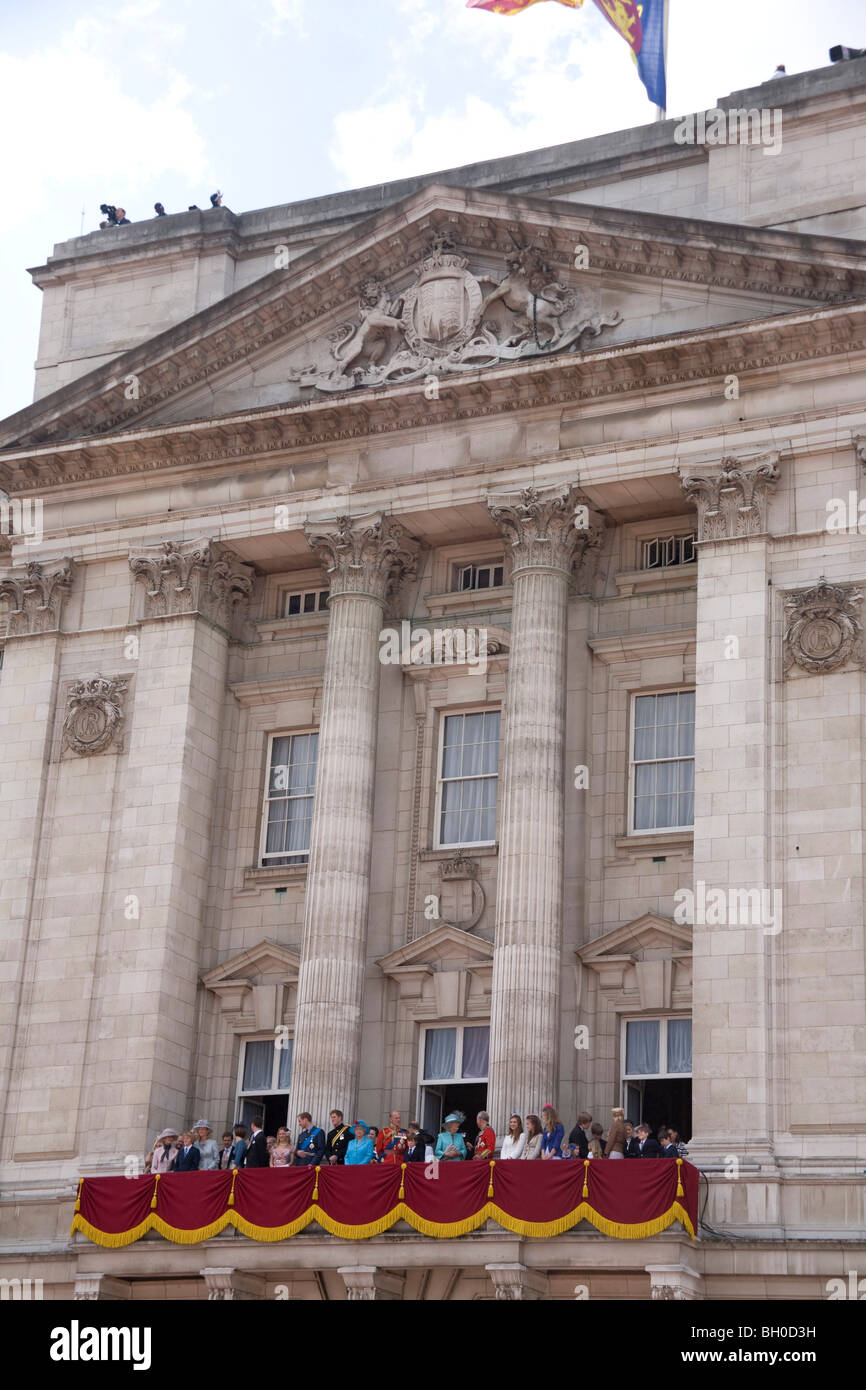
{"x":360,"y":1148}
{"x":450,"y":1145}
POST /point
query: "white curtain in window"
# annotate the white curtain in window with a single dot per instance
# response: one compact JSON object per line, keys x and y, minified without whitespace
{"x":258,"y":1066}
{"x":476,"y":1051}
{"x":679,"y":1044}
{"x":642,"y":1047}
{"x":440,"y":1054}
{"x":286,"y":1050}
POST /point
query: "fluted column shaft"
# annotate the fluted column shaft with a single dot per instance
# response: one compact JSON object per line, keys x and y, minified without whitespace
{"x":526,"y":964}
{"x":364,"y":560}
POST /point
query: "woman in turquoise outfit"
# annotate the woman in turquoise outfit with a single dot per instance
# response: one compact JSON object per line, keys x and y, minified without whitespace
{"x":450,"y":1145}
{"x":360,"y":1148}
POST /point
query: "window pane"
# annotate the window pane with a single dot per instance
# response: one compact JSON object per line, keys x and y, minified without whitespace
{"x":286,"y":1052}
{"x":440,"y":1053}
{"x":644,"y":707}
{"x":642,"y":1047}
{"x":476,"y":1051}
{"x":293,"y":605}
{"x":679,"y":1044}
{"x":258,"y":1065}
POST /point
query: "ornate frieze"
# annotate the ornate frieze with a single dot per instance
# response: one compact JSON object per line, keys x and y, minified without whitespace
{"x":365,"y":555}
{"x":549,"y":527}
{"x":35,"y":596}
{"x":444,"y":323}
{"x":824,"y":631}
{"x":733,"y":502}
{"x":95,"y":715}
{"x":193,"y":577}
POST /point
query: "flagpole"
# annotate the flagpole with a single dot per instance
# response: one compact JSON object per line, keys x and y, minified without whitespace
{"x":661,"y":113}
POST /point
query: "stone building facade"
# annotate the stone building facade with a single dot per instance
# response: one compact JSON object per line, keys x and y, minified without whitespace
{"x":439,"y":680}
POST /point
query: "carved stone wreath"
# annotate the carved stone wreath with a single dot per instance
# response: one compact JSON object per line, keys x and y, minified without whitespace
{"x":824,"y":630}
{"x":95,"y":715}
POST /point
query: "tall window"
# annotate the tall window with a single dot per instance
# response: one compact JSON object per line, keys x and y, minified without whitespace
{"x":288,"y":804}
{"x":663,"y":762}
{"x":658,"y":1047}
{"x":469,"y":762}
{"x":265,"y":1078}
{"x":459,"y":1053}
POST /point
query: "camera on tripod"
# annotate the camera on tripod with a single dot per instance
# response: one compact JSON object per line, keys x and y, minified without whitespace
{"x":109,"y":212}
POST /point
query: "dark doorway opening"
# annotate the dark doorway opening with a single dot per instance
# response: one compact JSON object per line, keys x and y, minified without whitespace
{"x":439,"y":1101}
{"x":273,"y":1108}
{"x":668,"y":1102}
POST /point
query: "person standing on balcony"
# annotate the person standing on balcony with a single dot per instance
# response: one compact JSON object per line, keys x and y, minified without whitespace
{"x":339,"y":1138}
{"x":485,"y":1143}
{"x":256,"y":1155}
{"x":533,"y":1137}
{"x":310,"y":1148}
{"x":450,"y":1146}
{"x":648,"y":1147}
{"x":553,"y":1133}
{"x":187,"y":1157}
{"x":206,"y":1145}
{"x":283,"y":1151}
{"x":239,"y":1148}
{"x":161,"y":1156}
{"x":578,"y":1139}
{"x":616,"y":1136}
{"x":226,"y":1150}
{"x":515,"y":1140}
{"x":392,"y":1141}
{"x":359,"y":1151}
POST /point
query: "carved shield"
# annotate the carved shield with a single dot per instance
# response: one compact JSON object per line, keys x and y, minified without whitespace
{"x":441,"y":309}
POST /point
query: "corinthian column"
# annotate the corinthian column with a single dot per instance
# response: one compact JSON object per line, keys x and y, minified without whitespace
{"x":365,"y":559}
{"x":544,"y":535}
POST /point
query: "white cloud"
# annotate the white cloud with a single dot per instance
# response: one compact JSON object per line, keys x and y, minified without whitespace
{"x":286,"y":14}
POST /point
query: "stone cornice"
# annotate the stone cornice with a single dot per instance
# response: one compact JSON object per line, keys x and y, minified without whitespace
{"x":563,"y":381}
{"x":281,"y":304}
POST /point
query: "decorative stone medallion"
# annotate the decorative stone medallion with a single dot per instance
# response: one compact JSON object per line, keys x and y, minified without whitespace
{"x":824,"y":631}
{"x":94,"y":714}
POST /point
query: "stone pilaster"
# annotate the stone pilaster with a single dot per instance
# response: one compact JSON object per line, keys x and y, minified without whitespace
{"x":546,"y":530}
{"x":101,"y":1288}
{"x":365,"y":560}
{"x":34,"y":596}
{"x":198,"y":576}
{"x":675,"y":1283}
{"x":228,"y":1285}
{"x":734,"y":501}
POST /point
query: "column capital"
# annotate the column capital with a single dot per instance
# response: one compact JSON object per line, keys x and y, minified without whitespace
{"x":198,"y":576}
{"x":367,"y":1283}
{"x":227,"y":1284}
{"x":734,"y":502}
{"x":35,"y":595}
{"x":679,"y":1283}
{"x":548,"y":527}
{"x":95,"y":1288}
{"x":370,"y":554}
{"x":513,"y":1282}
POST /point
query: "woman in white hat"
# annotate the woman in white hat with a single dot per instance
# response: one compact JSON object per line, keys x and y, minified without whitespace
{"x":450,"y":1145}
{"x":161,"y":1156}
{"x":206,"y":1145}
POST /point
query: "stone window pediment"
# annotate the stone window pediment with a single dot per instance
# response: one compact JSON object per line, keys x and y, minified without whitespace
{"x":256,"y":988}
{"x":644,"y":965}
{"x":445,"y":974}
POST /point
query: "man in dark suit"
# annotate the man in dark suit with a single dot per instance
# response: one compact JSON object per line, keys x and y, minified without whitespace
{"x":647,"y":1146}
{"x":310,"y":1148}
{"x":187,"y":1157}
{"x":578,"y":1140}
{"x":257,"y":1155}
{"x":669,"y":1149}
{"x":630,"y":1149}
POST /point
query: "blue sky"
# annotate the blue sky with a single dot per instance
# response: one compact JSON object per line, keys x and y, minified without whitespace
{"x":277,"y":100}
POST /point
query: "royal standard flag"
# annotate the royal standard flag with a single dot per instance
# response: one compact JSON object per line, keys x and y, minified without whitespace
{"x":639,"y":22}
{"x":513,"y":6}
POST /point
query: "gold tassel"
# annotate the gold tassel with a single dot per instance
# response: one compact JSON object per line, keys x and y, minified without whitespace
{"x":153,"y":1198}
{"x":490,"y":1184}
{"x":231,"y":1200}
{"x":585,"y":1192}
{"x":78,"y":1195}
{"x":402,"y":1193}
{"x":680,"y":1191}
{"x":316,"y":1186}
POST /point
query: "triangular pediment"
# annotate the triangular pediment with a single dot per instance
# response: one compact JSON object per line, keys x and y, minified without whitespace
{"x":267,"y":962}
{"x":445,"y":947}
{"x":649,"y":937}
{"x":421,"y":292}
